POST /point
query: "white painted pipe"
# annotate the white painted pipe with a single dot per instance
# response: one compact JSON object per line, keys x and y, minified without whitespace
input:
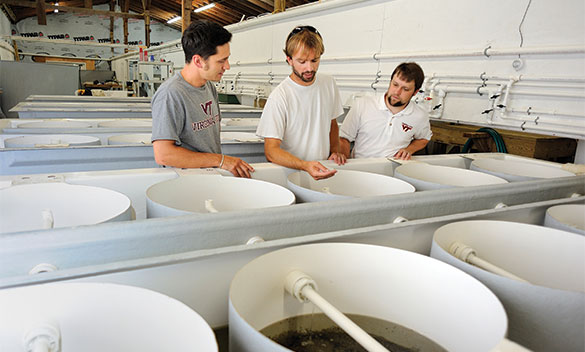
{"x":303,"y":287}
{"x":485,"y":90}
{"x":209,"y":206}
{"x":468,"y":255}
{"x":45,"y":336}
{"x":520,"y":77}
{"x":48,"y":220}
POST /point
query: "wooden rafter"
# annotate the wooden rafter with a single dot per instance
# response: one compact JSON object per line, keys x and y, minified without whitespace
{"x":41,"y":12}
{"x":70,"y":9}
{"x":87,"y":4}
{"x":186,"y":10}
{"x":8,"y":11}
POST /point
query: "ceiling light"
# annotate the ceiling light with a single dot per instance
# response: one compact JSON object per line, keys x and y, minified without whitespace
{"x":174,"y":19}
{"x":203,"y":8}
{"x":56,"y":10}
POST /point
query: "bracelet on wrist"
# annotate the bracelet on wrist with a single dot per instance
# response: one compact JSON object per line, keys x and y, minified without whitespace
{"x":222,"y":160}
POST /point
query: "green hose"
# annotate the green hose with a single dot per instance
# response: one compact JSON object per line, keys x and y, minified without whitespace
{"x":500,"y":146}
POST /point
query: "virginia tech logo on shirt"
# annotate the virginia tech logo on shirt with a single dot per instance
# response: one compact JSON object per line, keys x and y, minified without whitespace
{"x":406,"y":127}
{"x":208,"y":122}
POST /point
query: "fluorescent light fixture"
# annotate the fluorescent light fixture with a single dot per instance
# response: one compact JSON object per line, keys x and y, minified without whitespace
{"x":203,"y":8}
{"x":174,"y":19}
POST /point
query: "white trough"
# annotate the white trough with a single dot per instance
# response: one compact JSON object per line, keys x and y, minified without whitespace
{"x":546,"y":312}
{"x":212,"y":193}
{"x":426,"y":177}
{"x":416,"y":292}
{"x":95,"y":317}
{"x":344,"y":184}
{"x":30,"y":207}
{"x":51,"y":141}
{"x":513,"y":170}
{"x":566,"y":217}
{"x":130,"y":139}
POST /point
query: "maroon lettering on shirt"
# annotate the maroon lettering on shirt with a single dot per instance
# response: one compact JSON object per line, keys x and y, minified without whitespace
{"x":406,"y":127}
{"x":208,"y":122}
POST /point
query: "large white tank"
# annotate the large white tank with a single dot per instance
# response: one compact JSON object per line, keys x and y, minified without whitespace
{"x":131,"y":139}
{"x":55,"y":124}
{"x":514,"y":170}
{"x":546,"y":313}
{"x":124,"y":123}
{"x":235,"y":137}
{"x":567,"y":217}
{"x":344,"y":184}
{"x":204,"y":194}
{"x":39,"y":206}
{"x":426,"y":177}
{"x":252,"y":121}
{"x":414,"y":291}
{"x":51,"y":141}
{"x":96,"y":317}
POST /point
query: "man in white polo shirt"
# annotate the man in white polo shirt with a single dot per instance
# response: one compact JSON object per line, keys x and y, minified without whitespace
{"x":388,"y":126}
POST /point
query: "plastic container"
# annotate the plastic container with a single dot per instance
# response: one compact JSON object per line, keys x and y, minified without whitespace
{"x":131,"y":139}
{"x":425,"y":177}
{"x":212,"y":193}
{"x":423,"y":294}
{"x":566,"y":217}
{"x":94,"y":317}
{"x":39,"y":206}
{"x":51,"y":141}
{"x":240,"y":137}
{"x":125,"y":123}
{"x":547,"y":312}
{"x":55,"y":124}
{"x":344,"y":184}
{"x":514,"y":171}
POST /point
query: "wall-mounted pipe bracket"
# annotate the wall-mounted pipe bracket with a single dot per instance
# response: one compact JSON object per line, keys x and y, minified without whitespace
{"x":43,"y":268}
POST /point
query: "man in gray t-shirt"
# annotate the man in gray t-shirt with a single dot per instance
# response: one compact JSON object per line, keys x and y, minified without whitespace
{"x":185,"y":109}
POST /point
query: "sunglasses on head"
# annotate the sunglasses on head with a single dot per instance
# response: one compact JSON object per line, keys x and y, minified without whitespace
{"x":299,"y":29}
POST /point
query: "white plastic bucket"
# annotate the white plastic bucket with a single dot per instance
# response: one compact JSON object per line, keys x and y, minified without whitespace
{"x":51,"y":141}
{"x":566,"y":217}
{"x":343,"y":185}
{"x":514,"y":171}
{"x":32,"y":207}
{"x":94,"y":317}
{"x":426,"y":177}
{"x":546,"y":314}
{"x":203,"y":194}
{"x":131,"y":139}
{"x":432,"y":298}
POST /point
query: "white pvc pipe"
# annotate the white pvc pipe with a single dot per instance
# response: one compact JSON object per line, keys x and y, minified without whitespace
{"x":48,"y":219}
{"x":520,"y":77}
{"x":302,"y":287}
{"x":209,"y":206}
{"x":468,"y":255}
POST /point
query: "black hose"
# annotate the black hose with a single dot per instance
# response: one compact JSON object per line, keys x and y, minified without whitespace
{"x":500,"y":145}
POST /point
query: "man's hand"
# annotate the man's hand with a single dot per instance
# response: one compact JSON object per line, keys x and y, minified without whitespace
{"x":317,"y":170}
{"x":403,"y":154}
{"x":237,"y":166}
{"x":339,"y":158}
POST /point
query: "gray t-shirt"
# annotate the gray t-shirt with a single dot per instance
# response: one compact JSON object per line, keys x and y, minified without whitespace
{"x":188,"y":115}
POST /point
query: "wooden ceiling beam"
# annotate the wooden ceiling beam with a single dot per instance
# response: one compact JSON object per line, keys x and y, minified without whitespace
{"x":41,"y":12}
{"x":87,"y":4}
{"x":186,"y":10}
{"x":82,"y":10}
{"x":8,"y":11}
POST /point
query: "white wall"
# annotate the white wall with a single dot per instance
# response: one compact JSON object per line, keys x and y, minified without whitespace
{"x":420,"y":30}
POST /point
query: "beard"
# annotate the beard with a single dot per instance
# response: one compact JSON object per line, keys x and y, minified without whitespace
{"x":302,"y":78}
{"x":396,"y":104}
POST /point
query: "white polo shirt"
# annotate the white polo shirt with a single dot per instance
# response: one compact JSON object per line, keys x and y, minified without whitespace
{"x":300,"y":116}
{"x":379,"y":133}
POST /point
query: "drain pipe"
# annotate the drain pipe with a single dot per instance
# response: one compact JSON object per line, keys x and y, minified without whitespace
{"x":302,"y":287}
{"x":468,"y":255}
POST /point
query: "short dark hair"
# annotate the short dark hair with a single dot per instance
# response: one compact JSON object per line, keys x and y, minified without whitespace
{"x":410,"y":71}
{"x":202,"y":38}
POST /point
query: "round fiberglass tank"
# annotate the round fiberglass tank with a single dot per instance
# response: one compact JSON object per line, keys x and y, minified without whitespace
{"x":344,"y":184}
{"x":46,"y":205}
{"x":566,"y":217}
{"x":237,"y":137}
{"x":51,"y":141}
{"x":131,"y":139}
{"x":410,"y":299}
{"x":252,"y":121}
{"x":125,"y":123}
{"x":96,"y":317}
{"x":426,"y":177}
{"x":55,"y":124}
{"x":212,"y":193}
{"x":514,"y":171}
{"x":547,"y":312}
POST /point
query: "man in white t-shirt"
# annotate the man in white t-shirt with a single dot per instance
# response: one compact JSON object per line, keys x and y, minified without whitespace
{"x":388,"y":126}
{"x":299,"y":120}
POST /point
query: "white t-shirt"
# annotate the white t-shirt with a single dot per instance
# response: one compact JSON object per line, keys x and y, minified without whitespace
{"x":379,"y":133}
{"x":300,"y":116}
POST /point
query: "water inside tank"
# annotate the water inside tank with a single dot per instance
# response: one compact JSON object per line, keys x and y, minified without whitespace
{"x":316,"y":332}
